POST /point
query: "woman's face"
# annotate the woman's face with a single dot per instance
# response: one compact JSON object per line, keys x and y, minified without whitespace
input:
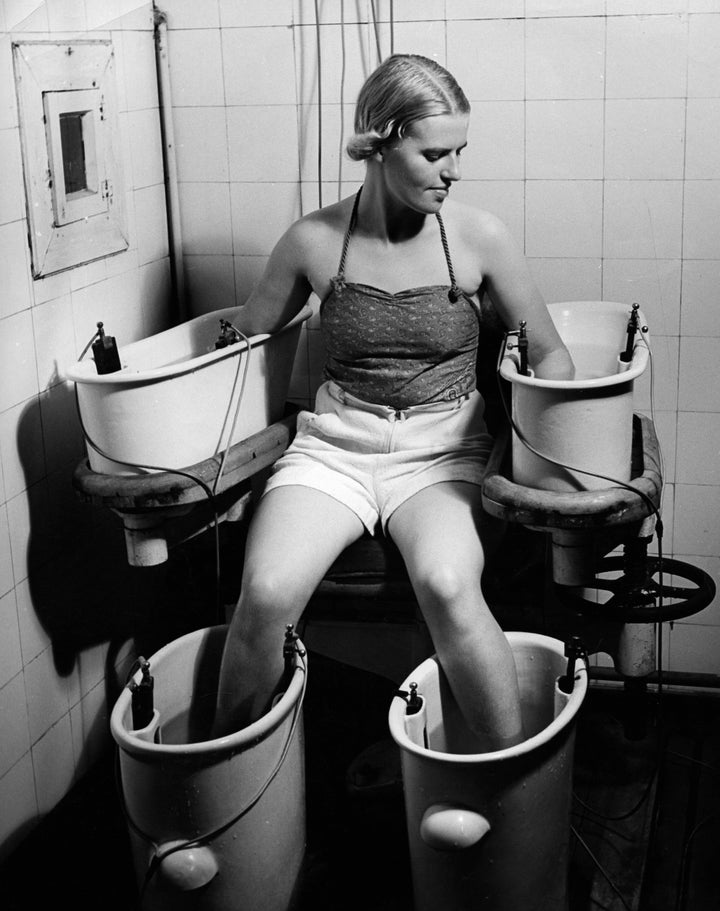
{"x":421,"y":167}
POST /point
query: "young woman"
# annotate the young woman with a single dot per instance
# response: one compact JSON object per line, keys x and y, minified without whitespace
{"x":397,"y":440}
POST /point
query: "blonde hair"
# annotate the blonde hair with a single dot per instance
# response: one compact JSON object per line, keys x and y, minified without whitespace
{"x":403,"y":89}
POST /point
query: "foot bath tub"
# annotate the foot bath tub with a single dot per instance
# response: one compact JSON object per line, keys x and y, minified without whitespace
{"x":491,"y":830}
{"x":178,"y":400}
{"x":582,"y":426}
{"x":214,"y":824}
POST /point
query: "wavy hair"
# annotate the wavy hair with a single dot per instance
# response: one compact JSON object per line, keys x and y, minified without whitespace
{"x":403,"y":89}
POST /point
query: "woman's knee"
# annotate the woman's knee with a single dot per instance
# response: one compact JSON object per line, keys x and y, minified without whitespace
{"x":447,"y":584}
{"x":266,"y":603}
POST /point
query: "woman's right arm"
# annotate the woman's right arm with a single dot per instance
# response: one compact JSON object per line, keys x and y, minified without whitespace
{"x":284,"y":287}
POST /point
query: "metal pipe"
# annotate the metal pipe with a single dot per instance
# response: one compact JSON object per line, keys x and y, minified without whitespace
{"x":669,"y":678}
{"x":172,"y":196}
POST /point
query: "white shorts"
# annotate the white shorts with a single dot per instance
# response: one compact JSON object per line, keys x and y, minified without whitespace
{"x":372,"y":457}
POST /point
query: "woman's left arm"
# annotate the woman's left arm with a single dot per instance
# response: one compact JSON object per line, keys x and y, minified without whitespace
{"x":516,"y":297}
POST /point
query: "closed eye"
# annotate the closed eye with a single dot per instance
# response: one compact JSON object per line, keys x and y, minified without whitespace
{"x":437,"y":154}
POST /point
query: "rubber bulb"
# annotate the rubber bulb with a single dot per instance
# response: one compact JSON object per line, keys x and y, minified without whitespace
{"x":449,"y":828}
{"x":188,"y":868}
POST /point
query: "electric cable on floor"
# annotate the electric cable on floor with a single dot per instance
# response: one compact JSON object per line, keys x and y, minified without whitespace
{"x":600,"y":867}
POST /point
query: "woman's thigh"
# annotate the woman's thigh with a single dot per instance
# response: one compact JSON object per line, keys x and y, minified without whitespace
{"x":296,"y":534}
{"x":441,"y":525}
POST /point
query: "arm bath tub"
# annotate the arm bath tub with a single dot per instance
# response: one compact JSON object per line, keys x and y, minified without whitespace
{"x":174,"y":401}
{"x":180,"y":418}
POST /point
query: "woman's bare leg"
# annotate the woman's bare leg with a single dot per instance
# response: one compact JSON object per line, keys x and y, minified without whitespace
{"x":296,"y":534}
{"x":437,"y":532}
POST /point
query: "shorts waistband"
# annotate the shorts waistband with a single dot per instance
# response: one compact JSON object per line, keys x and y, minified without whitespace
{"x":387,"y":411}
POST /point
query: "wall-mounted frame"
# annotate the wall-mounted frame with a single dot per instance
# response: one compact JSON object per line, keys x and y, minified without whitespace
{"x":69,"y":134}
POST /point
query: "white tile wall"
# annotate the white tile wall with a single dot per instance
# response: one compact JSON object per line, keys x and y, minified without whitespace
{"x":565,"y":58}
{"x":496,"y":142}
{"x":642,"y":219}
{"x":564,"y":218}
{"x":564,"y":140}
{"x":646,"y":57}
{"x":652,"y":283}
{"x":701,"y":297}
{"x":487,"y":57}
{"x":43,"y":326}
{"x":644,"y":138}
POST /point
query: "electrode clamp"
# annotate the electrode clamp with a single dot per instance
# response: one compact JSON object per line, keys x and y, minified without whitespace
{"x":105,"y":352}
{"x":413,"y":699}
{"x":633,"y":327}
{"x":229,"y":335}
{"x":574,"y":649}
{"x":290,"y":649}
{"x":522,"y":346}
{"x":142,"y":701}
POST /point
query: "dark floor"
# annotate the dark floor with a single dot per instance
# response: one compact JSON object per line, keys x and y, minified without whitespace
{"x":645,"y":820}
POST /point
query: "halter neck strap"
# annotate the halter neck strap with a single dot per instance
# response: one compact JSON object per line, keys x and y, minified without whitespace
{"x":455,"y":292}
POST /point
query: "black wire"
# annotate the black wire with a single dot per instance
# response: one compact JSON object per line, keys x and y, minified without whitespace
{"x":210,"y":494}
{"x":600,"y":867}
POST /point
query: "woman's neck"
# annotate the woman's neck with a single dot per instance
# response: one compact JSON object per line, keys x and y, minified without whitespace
{"x":382,"y":217}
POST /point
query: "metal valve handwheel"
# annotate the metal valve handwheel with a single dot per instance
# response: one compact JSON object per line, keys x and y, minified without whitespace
{"x":663,"y":590}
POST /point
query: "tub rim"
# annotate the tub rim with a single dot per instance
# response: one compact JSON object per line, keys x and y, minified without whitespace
{"x":83,"y":371}
{"x":637,"y":366}
{"x":238,"y":741}
{"x":563,"y":718}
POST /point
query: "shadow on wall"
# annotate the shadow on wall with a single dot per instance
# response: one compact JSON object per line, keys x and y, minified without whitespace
{"x":82,"y":589}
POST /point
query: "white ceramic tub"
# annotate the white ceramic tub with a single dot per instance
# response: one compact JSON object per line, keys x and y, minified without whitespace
{"x":173,"y":403}
{"x":584,"y":425}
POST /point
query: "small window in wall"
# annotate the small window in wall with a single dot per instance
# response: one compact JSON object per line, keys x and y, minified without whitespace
{"x":68,"y":125}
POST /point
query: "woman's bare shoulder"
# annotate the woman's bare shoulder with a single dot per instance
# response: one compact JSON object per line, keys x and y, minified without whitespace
{"x":319,"y":226}
{"x":476,"y":225}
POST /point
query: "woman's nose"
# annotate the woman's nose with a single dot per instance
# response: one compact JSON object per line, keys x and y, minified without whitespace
{"x":451,"y":171}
